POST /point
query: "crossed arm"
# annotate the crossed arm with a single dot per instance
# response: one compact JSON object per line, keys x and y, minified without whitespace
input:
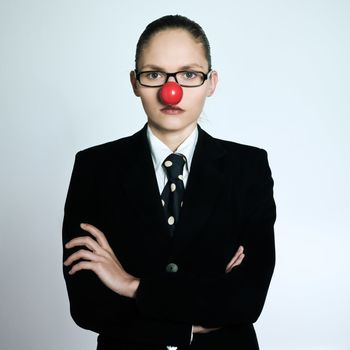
{"x":164,"y":308}
{"x":98,"y":256}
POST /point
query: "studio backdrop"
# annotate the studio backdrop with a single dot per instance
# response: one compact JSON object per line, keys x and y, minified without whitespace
{"x":284,"y":85}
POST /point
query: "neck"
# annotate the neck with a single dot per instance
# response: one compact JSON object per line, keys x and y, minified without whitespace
{"x":172,"y":138}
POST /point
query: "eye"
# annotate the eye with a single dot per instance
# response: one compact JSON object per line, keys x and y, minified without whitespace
{"x":154,"y":75}
{"x":189,"y":75}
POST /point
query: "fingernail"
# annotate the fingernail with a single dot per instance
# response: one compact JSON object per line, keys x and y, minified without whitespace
{"x":82,"y":224}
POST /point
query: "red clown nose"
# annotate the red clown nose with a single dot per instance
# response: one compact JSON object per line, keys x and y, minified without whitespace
{"x":171,"y":93}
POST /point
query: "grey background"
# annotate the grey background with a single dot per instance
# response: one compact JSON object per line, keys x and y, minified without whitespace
{"x":284,"y":86}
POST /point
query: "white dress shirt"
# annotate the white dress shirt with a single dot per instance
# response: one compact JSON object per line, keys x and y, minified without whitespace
{"x":159,"y":152}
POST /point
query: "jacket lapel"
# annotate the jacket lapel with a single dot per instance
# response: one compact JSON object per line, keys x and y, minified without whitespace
{"x":206,"y":181}
{"x":141,"y":185}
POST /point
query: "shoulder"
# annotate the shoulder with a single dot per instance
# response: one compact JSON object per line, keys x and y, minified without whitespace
{"x":241,"y":149}
{"x":104,"y":148}
{"x":238,"y":151}
{"x":251,"y":162}
{"x":116,"y":149}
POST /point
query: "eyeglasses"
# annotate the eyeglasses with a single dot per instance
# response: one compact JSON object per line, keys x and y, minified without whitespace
{"x":185,"y":78}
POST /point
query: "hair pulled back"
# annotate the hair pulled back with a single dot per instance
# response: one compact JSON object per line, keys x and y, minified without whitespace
{"x":173,"y":22}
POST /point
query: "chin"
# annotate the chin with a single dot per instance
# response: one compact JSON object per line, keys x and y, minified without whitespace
{"x":171,"y":125}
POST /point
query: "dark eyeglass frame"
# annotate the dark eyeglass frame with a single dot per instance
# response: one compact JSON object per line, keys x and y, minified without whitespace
{"x":168,"y":75}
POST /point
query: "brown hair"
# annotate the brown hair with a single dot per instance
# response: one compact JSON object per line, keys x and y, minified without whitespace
{"x":173,"y":22}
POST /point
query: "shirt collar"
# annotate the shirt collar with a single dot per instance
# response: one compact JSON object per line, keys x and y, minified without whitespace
{"x":160,"y":151}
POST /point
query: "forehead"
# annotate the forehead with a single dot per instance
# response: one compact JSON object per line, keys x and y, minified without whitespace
{"x":172,"y":49}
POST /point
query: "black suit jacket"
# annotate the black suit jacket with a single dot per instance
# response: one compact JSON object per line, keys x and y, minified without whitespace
{"x":228,"y":202}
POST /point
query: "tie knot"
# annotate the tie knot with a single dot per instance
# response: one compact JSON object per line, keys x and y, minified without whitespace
{"x":174,"y":164}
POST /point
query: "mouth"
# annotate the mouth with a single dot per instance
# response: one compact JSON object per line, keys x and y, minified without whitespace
{"x":172,"y":110}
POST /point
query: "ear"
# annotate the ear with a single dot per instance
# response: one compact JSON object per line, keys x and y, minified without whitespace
{"x":133,"y":82}
{"x":213,"y":81}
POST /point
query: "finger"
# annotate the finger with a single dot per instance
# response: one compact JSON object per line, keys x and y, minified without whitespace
{"x":200,"y":329}
{"x":236,"y":263}
{"x":86,"y":241}
{"x":239,"y":250}
{"x":235,"y":257}
{"x":81,"y":254}
{"x":207,"y":330}
{"x":83,"y":265}
{"x":237,"y":254}
{"x":240,"y":259}
{"x":99,"y":235}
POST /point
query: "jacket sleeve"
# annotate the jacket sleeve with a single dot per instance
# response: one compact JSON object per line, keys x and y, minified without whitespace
{"x":92,"y":305}
{"x":229,"y":299}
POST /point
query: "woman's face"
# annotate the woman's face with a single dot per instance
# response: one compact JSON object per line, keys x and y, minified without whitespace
{"x":171,"y":51}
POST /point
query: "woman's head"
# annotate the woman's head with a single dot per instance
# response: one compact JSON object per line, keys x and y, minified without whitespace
{"x":173,"y":22}
{"x":168,"y":45}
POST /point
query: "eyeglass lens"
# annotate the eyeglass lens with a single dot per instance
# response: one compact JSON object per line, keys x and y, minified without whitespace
{"x":185,"y":78}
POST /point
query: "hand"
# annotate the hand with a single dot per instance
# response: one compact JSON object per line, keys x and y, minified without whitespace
{"x":202,"y":330}
{"x":235,"y":261}
{"x":100,"y":258}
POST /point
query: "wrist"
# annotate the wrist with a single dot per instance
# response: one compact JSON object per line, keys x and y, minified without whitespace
{"x":132,"y":287}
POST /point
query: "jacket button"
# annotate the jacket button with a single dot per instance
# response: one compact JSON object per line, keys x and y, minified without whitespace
{"x":171,"y":267}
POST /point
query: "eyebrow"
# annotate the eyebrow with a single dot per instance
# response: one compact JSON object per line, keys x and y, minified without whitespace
{"x":158,"y":68}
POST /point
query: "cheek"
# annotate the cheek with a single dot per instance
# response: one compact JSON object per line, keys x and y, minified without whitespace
{"x":194,"y":98}
{"x":149,"y":97}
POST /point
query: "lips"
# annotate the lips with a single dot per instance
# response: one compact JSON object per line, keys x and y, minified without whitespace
{"x":172,"y":110}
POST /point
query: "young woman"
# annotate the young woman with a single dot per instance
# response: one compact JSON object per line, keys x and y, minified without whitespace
{"x":155,"y":223}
